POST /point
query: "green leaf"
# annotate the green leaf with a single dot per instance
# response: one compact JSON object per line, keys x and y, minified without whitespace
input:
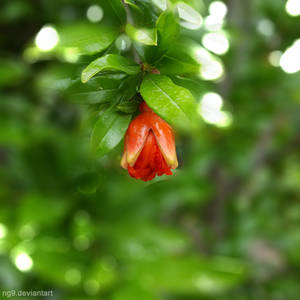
{"x":143,"y":12}
{"x":173,"y":103}
{"x":168,"y":30}
{"x":128,"y":106}
{"x":85,"y":38}
{"x":143,"y":35}
{"x":100,"y":89}
{"x":132,"y":4}
{"x":146,"y":53}
{"x":118,"y":8}
{"x":109,"y":62}
{"x":171,"y":65}
{"x":129,"y":88}
{"x":198,"y":5}
{"x":179,"y":60}
{"x":195,"y":86}
{"x":109,"y":131}
{"x":161,"y":4}
{"x":190,"y":18}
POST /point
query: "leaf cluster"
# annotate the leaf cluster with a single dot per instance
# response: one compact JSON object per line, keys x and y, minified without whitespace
{"x":116,"y":81}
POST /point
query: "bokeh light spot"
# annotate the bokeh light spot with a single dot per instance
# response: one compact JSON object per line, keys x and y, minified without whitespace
{"x":216,"y":42}
{"x":27,"y":232}
{"x":94,"y":13}
{"x":73,"y":276}
{"x":265,"y":27}
{"x":47,"y":38}
{"x":213,"y":23}
{"x":82,"y":242}
{"x":211,"y":102}
{"x":218,"y":9}
{"x":190,"y":18}
{"x":210,"y":110}
{"x":23,"y":262}
{"x":211,"y":68}
{"x":274,"y":58}
{"x":71,"y":54}
{"x":3,"y":231}
{"x":123,"y":42}
{"x":91,"y":287}
{"x":292,"y":7}
{"x":290,"y":59}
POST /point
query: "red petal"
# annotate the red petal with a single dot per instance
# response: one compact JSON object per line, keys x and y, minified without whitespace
{"x":166,"y":140}
{"x":136,"y":136}
{"x":150,"y":162}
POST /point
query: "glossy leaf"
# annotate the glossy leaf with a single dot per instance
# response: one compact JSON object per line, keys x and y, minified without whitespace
{"x":109,"y":131}
{"x":172,"y":66}
{"x":146,"y":53}
{"x":144,"y":12}
{"x":198,"y":5}
{"x":109,"y":62}
{"x":142,"y":35}
{"x":100,"y":89}
{"x":118,"y":8}
{"x":195,"y":86}
{"x":167,"y":30}
{"x":173,"y":103}
{"x":132,"y":4}
{"x":86,"y":38}
{"x":179,"y":60}
{"x":190,"y":18}
{"x":162,"y":4}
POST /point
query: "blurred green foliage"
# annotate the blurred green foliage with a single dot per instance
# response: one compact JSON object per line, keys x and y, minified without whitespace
{"x":225,"y":226}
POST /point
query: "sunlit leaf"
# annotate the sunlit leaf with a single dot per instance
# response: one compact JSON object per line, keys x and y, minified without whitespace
{"x":142,"y":35}
{"x":173,"y":103}
{"x":175,"y":65}
{"x":168,"y":31}
{"x":190,"y":18}
{"x":86,"y":38}
{"x":195,"y":86}
{"x":179,"y":60}
{"x":109,"y":62}
{"x":162,"y":4}
{"x":143,"y":12}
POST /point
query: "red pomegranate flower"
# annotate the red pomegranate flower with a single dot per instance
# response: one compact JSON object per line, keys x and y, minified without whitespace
{"x":149,"y":148}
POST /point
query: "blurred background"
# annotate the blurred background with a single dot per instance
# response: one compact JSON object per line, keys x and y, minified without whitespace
{"x":225,"y":226}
